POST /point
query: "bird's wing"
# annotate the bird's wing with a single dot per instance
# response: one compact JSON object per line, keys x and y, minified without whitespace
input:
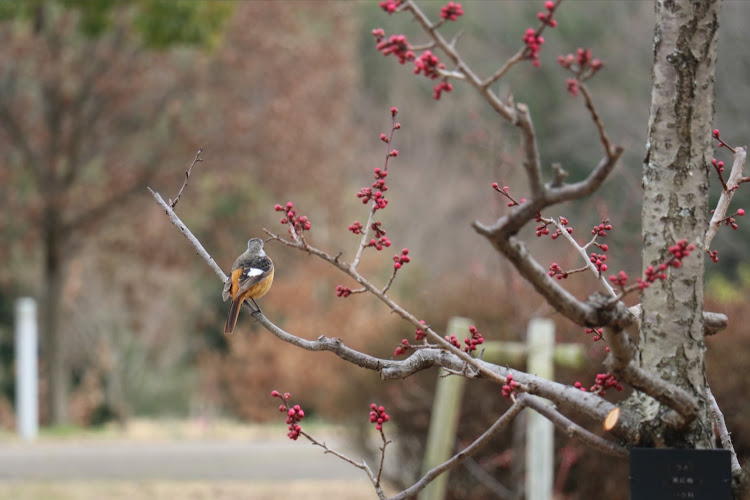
{"x":258,"y":270}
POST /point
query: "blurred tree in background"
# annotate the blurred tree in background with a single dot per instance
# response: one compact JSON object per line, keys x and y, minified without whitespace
{"x":87,"y":113}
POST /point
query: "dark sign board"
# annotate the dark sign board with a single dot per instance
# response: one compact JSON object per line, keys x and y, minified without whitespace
{"x":680,"y":474}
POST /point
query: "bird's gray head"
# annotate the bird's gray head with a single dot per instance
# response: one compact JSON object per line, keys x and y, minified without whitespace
{"x":255,"y":244}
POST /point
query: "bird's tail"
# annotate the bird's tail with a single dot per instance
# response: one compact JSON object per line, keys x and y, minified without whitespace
{"x":234,"y":312}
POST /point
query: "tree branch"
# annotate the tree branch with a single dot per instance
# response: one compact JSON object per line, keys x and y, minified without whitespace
{"x":503,"y":110}
{"x":462,"y":455}
{"x":572,"y":429}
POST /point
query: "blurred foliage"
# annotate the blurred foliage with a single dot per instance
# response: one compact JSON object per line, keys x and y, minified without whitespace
{"x":160,"y":23}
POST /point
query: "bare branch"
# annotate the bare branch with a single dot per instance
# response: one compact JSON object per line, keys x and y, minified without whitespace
{"x":531,"y":162}
{"x":189,"y":235}
{"x":721,"y":427}
{"x":587,"y":186}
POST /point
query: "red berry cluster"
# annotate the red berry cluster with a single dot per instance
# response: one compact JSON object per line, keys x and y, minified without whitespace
{"x":547,"y":17}
{"x":380,"y":176}
{"x":398,"y":351}
{"x":509,"y":387}
{"x":400,"y":260}
{"x":294,"y":414}
{"x":366,"y":195}
{"x":429,"y":65}
{"x":721,"y":144}
{"x":582,"y":65}
{"x":601,"y":229}
{"x":453,"y":341}
{"x":378,"y":416}
{"x":620,"y":279}
{"x":598,"y":333}
{"x":375,"y":192}
{"x":396,"y":45}
{"x":603,"y":381}
{"x":533,"y":41}
{"x":563,"y":222}
{"x":390,"y":6}
{"x":379,"y":243}
{"x":598,"y":261}
{"x":377,"y":228}
{"x":653,"y":274}
{"x":730,"y":219}
{"x":718,"y":165}
{"x":571,"y":85}
{"x":343,"y":291}
{"x":556,"y":270}
{"x":542,"y":229}
{"x":438,"y":89}
{"x":356,"y":227}
{"x":679,"y":251}
{"x":533,"y":38}
{"x":300,"y":224}
{"x":713,"y":255}
{"x":473,"y":341}
{"x":451,"y":11}
{"x":420,"y":334}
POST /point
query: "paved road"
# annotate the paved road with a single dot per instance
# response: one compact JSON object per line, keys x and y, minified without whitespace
{"x":186,"y":459}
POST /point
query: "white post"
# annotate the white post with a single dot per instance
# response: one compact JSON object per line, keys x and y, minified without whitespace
{"x":27,"y":375}
{"x":540,"y":435}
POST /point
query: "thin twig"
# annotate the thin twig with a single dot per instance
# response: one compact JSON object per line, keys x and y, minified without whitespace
{"x":187,"y":176}
{"x":725,"y":199}
{"x":360,"y":465}
{"x":606,"y":144}
{"x":382,"y":457}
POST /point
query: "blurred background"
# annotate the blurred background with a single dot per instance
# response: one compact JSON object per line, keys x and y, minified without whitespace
{"x":100,"y":99}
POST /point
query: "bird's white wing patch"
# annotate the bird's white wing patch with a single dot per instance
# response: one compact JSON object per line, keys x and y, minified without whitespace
{"x":253,"y":271}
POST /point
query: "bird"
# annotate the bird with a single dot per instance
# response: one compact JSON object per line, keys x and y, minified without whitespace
{"x":250,"y":279}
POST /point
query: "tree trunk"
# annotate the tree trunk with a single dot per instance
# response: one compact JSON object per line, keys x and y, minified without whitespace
{"x":53,"y":345}
{"x":675,"y":206}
